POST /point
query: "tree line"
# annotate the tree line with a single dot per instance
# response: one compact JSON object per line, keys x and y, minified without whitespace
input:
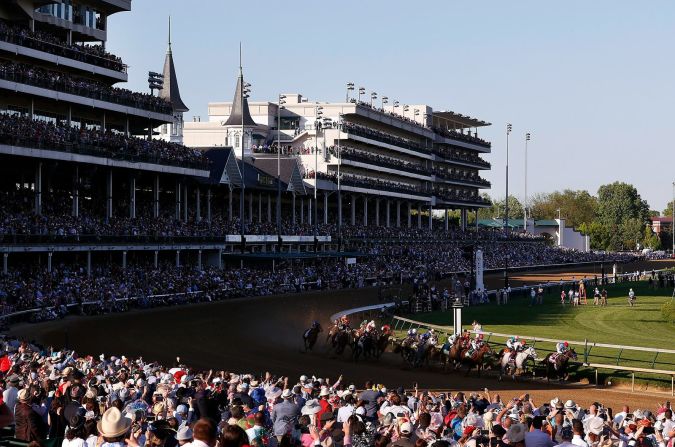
{"x":616,"y":218}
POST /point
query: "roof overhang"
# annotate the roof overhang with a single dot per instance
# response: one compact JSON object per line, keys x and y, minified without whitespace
{"x":458,"y":120}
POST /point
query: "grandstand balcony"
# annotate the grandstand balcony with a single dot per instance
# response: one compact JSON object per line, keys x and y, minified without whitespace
{"x":453,"y":198}
{"x":371,"y":185}
{"x":59,"y":90}
{"x":458,"y":179}
{"x":381,"y":139}
{"x":379,"y":163}
{"x":14,"y":42}
{"x":472,"y":161}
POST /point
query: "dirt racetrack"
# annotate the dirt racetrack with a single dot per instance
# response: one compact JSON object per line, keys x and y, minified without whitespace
{"x":264,"y":334}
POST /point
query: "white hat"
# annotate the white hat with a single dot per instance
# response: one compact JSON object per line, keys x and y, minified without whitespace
{"x":311,"y":407}
{"x":113,"y":424}
{"x":516,"y":433}
{"x":595,"y":425}
{"x":303,"y":378}
{"x":570,"y":405}
{"x":324,"y":391}
{"x":184,"y":434}
{"x":406,"y":428}
{"x":273,"y":393}
{"x":286,"y":394}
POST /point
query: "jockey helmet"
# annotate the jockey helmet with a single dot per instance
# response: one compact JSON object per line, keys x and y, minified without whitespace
{"x":566,"y":344}
{"x":479,"y":336}
{"x":411,"y":331}
{"x":523,"y":342}
{"x":426,"y":335}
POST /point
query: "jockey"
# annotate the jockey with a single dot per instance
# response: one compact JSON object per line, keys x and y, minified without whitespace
{"x":477,"y":327}
{"x":344,"y":320}
{"x":515,"y":343}
{"x":562,"y":347}
{"x":476,"y":344}
{"x":386,"y":329}
{"x":412,"y":335}
{"x":370,"y":327}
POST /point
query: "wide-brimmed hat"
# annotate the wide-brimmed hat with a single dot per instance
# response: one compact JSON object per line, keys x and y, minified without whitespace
{"x":312,"y":406}
{"x":273,"y":393}
{"x":595,"y":425}
{"x":113,"y":423}
{"x":570,"y":405}
{"x":13,"y":379}
{"x":516,"y":433}
{"x":184,"y":434}
{"x":24,"y":395}
{"x":324,"y":391}
{"x":287,"y":393}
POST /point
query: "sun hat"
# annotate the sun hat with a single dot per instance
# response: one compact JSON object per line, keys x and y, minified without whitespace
{"x":13,"y":379}
{"x":406,"y":428}
{"x":273,"y":393}
{"x":312,"y":406}
{"x":113,"y":424}
{"x":182,"y":408}
{"x":287,"y":393}
{"x":24,"y":395}
{"x":516,"y":433}
{"x":184,"y":434}
{"x":570,"y":405}
{"x":324,"y":391}
{"x":595,"y":425}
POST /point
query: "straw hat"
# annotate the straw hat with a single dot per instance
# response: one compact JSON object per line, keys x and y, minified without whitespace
{"x":311,"y":407}
{"x":113,"y":424}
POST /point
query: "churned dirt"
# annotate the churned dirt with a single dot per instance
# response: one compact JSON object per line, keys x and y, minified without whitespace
{"x":264,"y":334}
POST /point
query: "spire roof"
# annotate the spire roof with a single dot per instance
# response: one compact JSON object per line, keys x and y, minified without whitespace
{"x":170,"y":91}
{"x":240,"y":107}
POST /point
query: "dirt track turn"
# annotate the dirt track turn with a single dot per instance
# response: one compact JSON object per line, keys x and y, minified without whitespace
{"x":261,"y":334}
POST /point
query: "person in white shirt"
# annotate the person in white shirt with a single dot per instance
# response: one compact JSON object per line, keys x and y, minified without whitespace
{"x":347,"y":410}
{"x":578,"y":430}
{"x":10,"y":395}
{"x":620,"y":416}
{"x":566,"y":435}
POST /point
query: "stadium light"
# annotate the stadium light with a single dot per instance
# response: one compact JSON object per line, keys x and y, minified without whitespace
{"x":405,"y":109}
{"x":350,"y":88}
{"x":509,"y":128}
{"x":525,"y":207}
{"x":362,"y":91}
{"x":385,"y":100}
{"x":155,"y":82}
{"x":282,"y":101}
{"x":318,"y":111}
{"x":373,"y":96}
{"x":672,"y":224}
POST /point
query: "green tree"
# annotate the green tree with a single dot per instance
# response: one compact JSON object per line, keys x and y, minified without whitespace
{"x":668,"y":212}
{"x":618,"y":202}
{"x":650,"y":239}
{"x":576,"y":207}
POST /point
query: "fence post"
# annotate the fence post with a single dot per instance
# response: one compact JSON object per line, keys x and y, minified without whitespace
{"x":632,"y":382}
{"x":596,"y":376}
{"x":585,"y":350}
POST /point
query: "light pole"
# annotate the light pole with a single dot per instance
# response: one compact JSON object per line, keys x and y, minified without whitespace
{"x":318,"y":110}
{"x":280,"y":106}
{"x":362,"y":91}
{"x":373,"y":97}
{"x":405,"y":109}
{"x":672,"y":223}
{"x":509,"y":128}
{"x":350,"y":88}
{"x":339,"y":127}
{"x":244,"y":94}
{"x":416,"y":113}
{"x":385,"y":100}
{"x":527,"y":138}
{"x":395,"y":106}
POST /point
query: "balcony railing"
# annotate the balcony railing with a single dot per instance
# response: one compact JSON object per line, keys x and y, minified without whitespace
{"x":476,"y":180}
{"x":384,"y":138}
{"x":473,"y":159}
{"x":385,"y":162}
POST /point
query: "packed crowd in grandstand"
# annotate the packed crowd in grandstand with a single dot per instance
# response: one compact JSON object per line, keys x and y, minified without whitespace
{"x":49,"y":43}
{"x":73,"y":399}
{"x":23,"y":131}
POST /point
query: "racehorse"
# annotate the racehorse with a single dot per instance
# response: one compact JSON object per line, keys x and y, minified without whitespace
{"x":381,"y":345}
{"x":479,"y":359}
{"x":311,"y":335}
{"x":407,"y":348}
{"x":556,"y":364}
{"x":363,"y":343}
{"x":340,"y":341}
{"x":523,"y":361}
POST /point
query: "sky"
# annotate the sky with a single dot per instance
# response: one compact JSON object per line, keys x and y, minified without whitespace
{"x":592,"y":81}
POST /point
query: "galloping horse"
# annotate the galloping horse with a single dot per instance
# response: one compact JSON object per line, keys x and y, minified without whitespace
{"x":557,"y":365}
{"x":511,"y":366}
{"x":311,"y":335}
{"x":479,"y":359}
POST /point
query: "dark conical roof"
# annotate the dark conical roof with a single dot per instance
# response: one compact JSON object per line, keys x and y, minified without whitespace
{"x":240,"y":107}
{"x":170,"y":91}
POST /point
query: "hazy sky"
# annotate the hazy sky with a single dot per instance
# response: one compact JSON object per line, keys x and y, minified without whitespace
{"x":591,"y":80}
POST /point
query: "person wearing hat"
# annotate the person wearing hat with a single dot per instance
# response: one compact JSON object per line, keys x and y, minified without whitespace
{"x":75,"y":434}
{"x":160,"y":434}
{"x":10,"y":395}
{"x":184,"y":435}
{"x":516,"y":435}
{"x":405,"y":436}
{"x":29,"y":425}
{"x":114,"y":427}
{"x":325,"y":406}
{"x":286,"y":411}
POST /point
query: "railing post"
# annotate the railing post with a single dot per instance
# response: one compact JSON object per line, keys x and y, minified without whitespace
{"x":585,"y":350}
{"x":632,"y":384}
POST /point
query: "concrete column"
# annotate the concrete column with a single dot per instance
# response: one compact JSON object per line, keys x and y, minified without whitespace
{"x":109,"y":195}
{"x":198,"y":204}
{"x":49,"y":261}
{"x":302,"y":210}
{"x":447,"y":220}
{"x":310,"y":215}
{"x":293,"y":217}
{"x":89,"y":264}
{"x":365,"y":210}
{"x":229,"y":201}
{"x":38,"y":189}
{"x":339,"y":200}
{"x":398,"y":214}
{"x":388,"y":211}
{"x":464,"y":218}
{"x":377,"y":212}
{"x":132,"y":197}
{"x":208,"y":205}
{"x":185,"y":202}
{"x":269,"y":208}
{"x":124,"y":259}
{"x":179,"y":193}
{"x":260,"y":207}
{"x":419,"y":217}
{"x":199,"y":259}
{"x":76,"y":192}
{"x":155,"y":197}
{"x":177,"y":258}
{"x":250,"y":207}
{"x":156,"y":258}
{"x":353,"y":209}
{"x":5,"y":262}
{"x":409,"y":215}
{"x":431,"y":218}
{"x":325,"y":208}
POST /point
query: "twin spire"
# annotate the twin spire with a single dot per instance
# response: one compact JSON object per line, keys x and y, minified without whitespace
{"x":170,"y":91}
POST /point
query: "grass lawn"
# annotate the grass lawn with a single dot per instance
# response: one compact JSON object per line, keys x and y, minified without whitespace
{"x":642,"y":325}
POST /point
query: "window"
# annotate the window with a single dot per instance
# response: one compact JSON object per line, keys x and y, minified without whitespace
{"x":236,"y":140}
